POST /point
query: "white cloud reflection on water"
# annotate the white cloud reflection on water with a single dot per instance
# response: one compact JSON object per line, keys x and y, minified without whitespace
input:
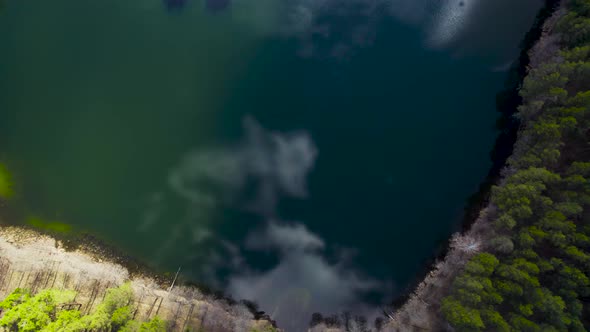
{"x":277,"y":163}
{"x":337,"y":28}
{"x":251,"y":176}
{"x":303,"y":280}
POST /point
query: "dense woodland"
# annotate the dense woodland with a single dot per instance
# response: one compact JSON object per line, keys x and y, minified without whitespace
{"x":534,"y":274}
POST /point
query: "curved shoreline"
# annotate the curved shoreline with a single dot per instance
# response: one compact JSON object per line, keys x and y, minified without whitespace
{"x":507,"y":102}
{"x":420,"y":311}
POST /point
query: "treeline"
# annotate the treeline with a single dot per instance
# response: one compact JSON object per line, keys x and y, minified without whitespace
{"x":534,"y":273}
{"x":54,"y":310}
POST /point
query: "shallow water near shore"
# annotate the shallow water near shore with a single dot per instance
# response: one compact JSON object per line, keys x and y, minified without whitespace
{"x":309,"y":156}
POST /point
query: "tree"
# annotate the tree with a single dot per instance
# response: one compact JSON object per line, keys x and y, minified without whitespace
{"x":66,"y":321}
{"x":32,"y":313}
{"x":115,"y":299}
{"x":461,"y":317}
{"x":482,"y":264}
{"x":575,"y":29}
{"x":520,"y":323}
{"x":494,"y":321}
{"x":502,"y":244}
{"x":154,"y":325}
{"x":24,"y":312}
{"x":18,"y":296}
{"x":521,"y":272}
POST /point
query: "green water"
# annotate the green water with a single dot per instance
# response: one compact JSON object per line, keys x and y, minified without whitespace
{"x":306,"y":168}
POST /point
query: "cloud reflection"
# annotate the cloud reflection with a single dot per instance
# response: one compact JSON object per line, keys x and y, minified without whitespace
{"x":273,"y":163}
{"x":254,"y":175}
{"x":250,"y":175}
{"x":303,"y":282}
{"x":339,"y":28}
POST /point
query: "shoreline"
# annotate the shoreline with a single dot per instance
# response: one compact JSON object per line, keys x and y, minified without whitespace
{"x":33,"y":260}
{"x":419,"y":312}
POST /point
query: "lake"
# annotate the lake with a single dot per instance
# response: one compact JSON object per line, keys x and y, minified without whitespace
{"x":307,"y":155}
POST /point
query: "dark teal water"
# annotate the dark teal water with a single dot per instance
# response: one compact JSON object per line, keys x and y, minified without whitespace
{"x":306,"y":155}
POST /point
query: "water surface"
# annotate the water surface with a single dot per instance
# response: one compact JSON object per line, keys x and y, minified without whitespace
{"x":308,"y":155}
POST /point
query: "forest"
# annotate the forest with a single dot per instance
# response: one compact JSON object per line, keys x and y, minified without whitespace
{"x":61,"y":309}
{"x":56,"y":310}
{"x":533,"y":274}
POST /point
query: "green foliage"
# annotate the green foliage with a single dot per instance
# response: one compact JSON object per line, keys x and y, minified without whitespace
{"x":582,"y":7}
{"x":111,"y":309}
{"x":516,"y":200}
{"x":495,"y":321}
{"x":17,"y":296}
{"x":505,"y":222}
{"x":153,"y":325}
{"x":66,"y":321}
{"x":22,"y":311}
{"x":121,"y":316}
{"x":32,"y":313}
{"x":575,"y":29}
{"x":482,"y":264}
{"x":576,"y":54}
{"x":520,"y":323}
{"x":460,"y":317}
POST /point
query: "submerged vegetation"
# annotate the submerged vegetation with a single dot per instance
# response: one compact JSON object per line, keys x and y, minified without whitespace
{"x":6,"y":185}
{"x":49,"y":225}
{"x":56,"y":310}
{"x":534,"y":273}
